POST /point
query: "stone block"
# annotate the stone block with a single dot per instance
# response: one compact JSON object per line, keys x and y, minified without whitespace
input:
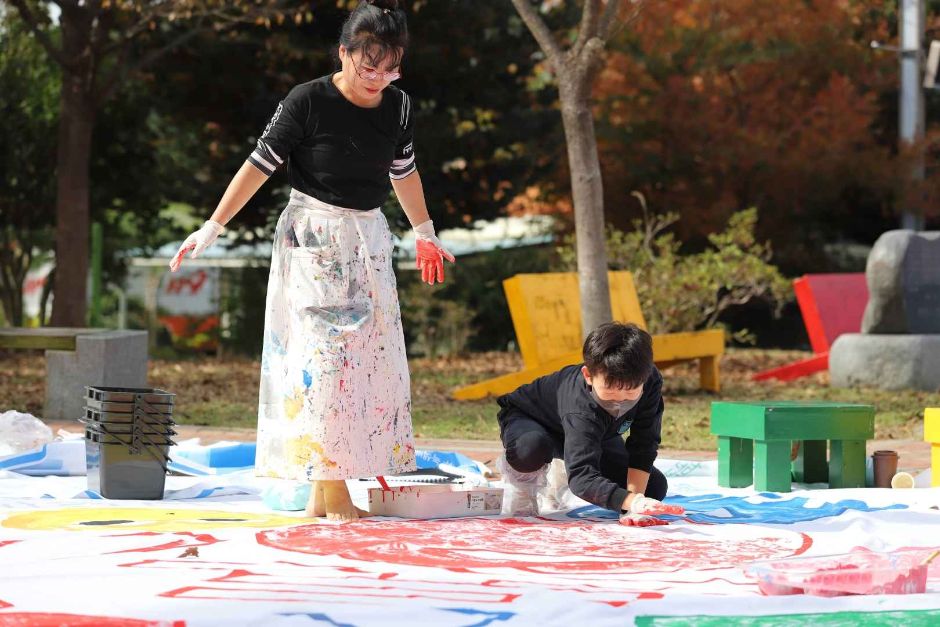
{"x":886,"y":361}
{"x":108,"y":358}
{"x":903,"y":275}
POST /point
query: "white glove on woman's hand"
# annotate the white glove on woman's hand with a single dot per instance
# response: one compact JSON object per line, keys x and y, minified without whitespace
{"x":197,"y":242}
{"x":430,"y":253}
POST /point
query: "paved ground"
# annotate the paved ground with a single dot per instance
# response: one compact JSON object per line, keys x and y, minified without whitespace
{"x":914,"y":454}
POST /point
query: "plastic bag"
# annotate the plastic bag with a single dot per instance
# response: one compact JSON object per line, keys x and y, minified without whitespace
{"x":21,"y":432}
{"x":520,"y":489}
{"x":286,"y":496}
{"x":555,"y":494}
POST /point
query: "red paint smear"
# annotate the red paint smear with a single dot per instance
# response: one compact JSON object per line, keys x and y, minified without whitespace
{"x":4,"y":604}
{"x":546,"y":547}
{"x":245,"y":585}
{"x":334,"y":583}
{"x":6,"y":542}
{"x":201,"y":539}
{"x":41,"y":619}
{"x":807,"y":542}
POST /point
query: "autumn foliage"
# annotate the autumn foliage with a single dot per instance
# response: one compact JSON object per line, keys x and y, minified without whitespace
{"x":709,"y":107}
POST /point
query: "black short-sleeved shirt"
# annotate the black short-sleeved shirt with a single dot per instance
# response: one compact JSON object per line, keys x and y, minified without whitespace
{"x":563,"y":404}
{"x":336,"y":151}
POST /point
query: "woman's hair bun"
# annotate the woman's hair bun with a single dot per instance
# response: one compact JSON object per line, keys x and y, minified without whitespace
{"x":387,"y":5}
{"x":379,"y":28}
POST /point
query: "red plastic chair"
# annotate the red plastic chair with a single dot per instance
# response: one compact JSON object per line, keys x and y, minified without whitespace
{"x":831,"y":304}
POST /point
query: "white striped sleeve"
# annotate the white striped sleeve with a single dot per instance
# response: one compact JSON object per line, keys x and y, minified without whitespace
{"x":404,"y":163}
{"x":282,"y":134}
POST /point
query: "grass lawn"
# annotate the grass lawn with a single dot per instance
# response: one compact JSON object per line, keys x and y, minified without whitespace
{"x":224,"y":393}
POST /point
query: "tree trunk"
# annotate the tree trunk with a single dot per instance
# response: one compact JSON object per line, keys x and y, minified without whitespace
{"x":588,"y":195}
{"x":12,"y":295}
{"x":44,"y":298}
{"x":15,"y":258}
{"x":76,"y":122}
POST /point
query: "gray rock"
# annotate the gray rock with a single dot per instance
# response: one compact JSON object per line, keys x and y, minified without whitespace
{"x":886,"y":361}
{"x":108,"y":358}
{"x":903,"y":275}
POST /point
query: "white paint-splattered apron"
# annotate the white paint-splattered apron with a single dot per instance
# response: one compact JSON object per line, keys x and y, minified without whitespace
{"x":335,"y":400}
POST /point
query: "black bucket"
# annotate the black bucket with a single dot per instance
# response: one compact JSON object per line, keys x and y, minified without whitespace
{"x":127,"y":440}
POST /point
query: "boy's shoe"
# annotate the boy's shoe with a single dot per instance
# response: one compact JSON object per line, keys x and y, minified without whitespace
{"x":554,"y":495}
{"x":520,"y":489}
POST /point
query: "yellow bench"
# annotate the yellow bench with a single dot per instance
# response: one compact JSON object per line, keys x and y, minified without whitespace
{"x":546,"y":314}
{"x":932,"y":435}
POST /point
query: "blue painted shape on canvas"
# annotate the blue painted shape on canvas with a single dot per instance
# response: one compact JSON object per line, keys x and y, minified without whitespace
{"x":489,"y":617}
{"x":319,"y":617}
{"x":738,"y":510}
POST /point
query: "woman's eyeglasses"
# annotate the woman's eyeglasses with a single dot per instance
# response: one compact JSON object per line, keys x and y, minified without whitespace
{"x":371,"y":75}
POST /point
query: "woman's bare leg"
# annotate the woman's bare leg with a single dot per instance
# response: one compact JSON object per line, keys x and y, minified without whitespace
{"x":338,"y":503}
{"x":316,"y":506}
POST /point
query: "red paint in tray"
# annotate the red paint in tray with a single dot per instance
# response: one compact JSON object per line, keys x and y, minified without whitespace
{"x":860,"y":572}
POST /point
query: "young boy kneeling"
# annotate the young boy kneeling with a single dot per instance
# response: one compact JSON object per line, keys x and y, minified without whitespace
{"x":579,"y":414}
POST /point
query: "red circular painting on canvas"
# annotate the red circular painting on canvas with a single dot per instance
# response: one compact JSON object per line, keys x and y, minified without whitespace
{"x":44,"y":619}
{"x":539,"y":545}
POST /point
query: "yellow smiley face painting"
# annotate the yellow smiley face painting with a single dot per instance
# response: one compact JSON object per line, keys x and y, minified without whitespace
{"x":142,"y":519}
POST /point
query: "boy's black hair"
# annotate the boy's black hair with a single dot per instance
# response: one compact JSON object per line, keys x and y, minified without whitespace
{"x":623,"y":353}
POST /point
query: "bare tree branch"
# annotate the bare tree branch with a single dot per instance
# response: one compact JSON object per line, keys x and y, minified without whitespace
{"x":588,"y":28}
{"x":216,"y":20}
{"x":218,"y":13}
{"x":616,"y":26}
{"x":101,"y":27}
{"x":610,"y":12}
{"x":540,"y":31}
{"x":41,"y":36}
{"x":123,"y":70}
{"x":135,"y":29}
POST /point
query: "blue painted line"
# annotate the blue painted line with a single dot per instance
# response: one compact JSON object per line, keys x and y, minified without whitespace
{"x":490,"y":617}
{"x":739,"y":510}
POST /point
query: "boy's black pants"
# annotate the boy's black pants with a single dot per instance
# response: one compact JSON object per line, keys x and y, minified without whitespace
{"x":529,"y":446}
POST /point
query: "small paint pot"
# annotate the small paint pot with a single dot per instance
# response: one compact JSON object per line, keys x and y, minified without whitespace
{"x":886,"y":466}
{"x":902,"y":480}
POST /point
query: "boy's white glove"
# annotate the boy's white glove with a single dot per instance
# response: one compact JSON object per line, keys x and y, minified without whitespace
{"x":644,"y":510}
{"x":641,"y":520}
{"x":643,"y":504}
{"x":197,"y":242}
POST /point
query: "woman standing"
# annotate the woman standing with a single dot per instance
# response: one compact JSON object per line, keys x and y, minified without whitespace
{"x":335,"y":399}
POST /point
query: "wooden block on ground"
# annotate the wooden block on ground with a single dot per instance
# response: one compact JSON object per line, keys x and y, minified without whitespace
{"x":735,"y":462}
{"x":810,"y":465}
{"x":771,"y":465}
{"x":847,"y":464}
{"x":793,"y":420}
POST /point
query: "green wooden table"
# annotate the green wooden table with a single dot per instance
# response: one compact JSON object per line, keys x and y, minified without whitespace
{"x":754,"y":443}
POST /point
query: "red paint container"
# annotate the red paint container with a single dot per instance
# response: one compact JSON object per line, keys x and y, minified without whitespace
{"x":859,"y":572}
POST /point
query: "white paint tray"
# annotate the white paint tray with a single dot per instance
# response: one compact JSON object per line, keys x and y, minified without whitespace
{"x":435,"y":501}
